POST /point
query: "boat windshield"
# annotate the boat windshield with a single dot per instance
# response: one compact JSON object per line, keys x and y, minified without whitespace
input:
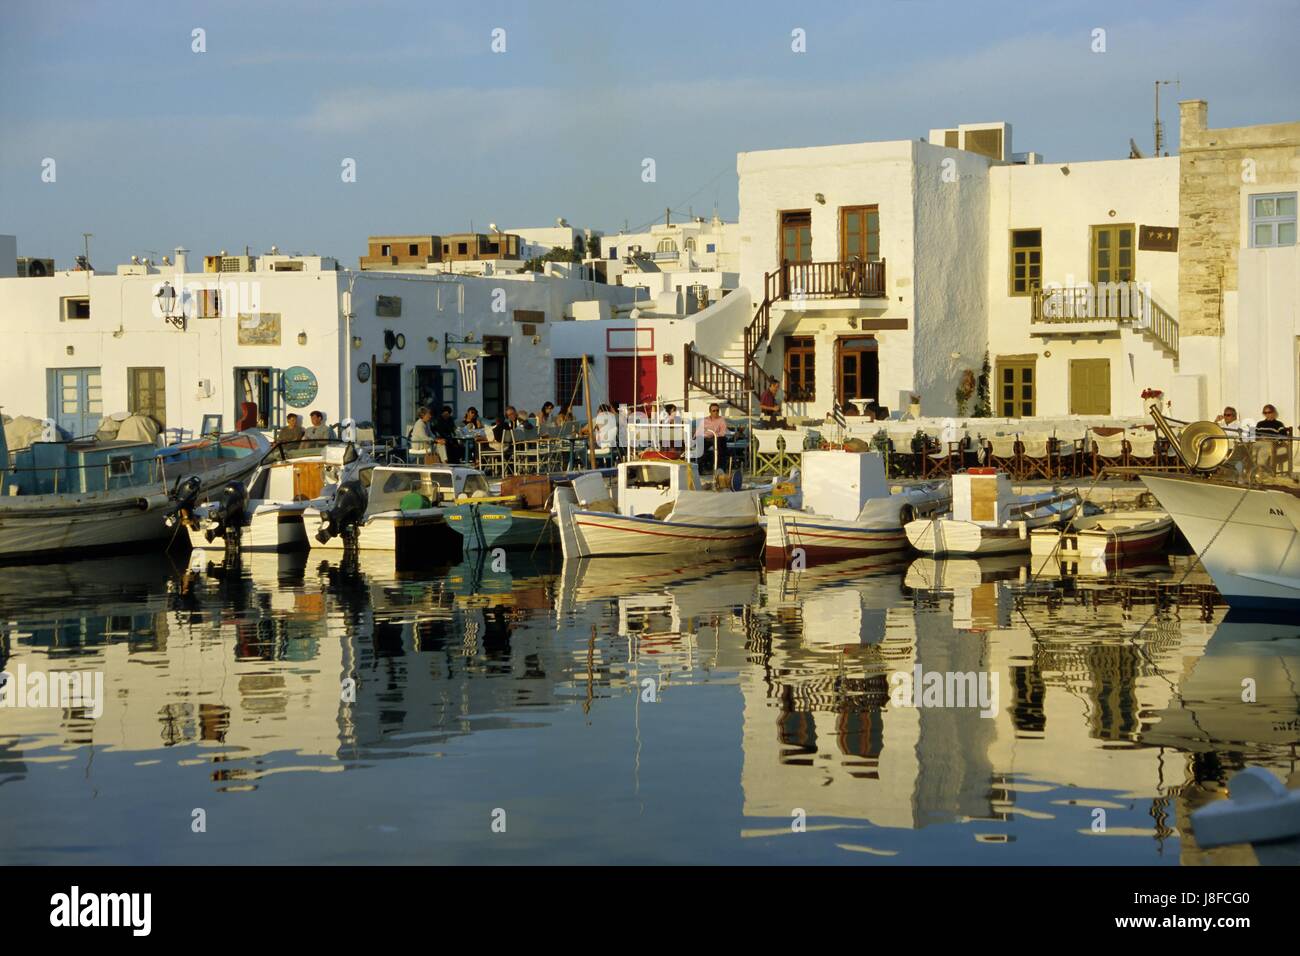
{"x":406,"y":489}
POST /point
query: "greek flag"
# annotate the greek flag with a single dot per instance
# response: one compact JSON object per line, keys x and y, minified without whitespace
{"x":837,"y":413}
{"x":468,"y":374}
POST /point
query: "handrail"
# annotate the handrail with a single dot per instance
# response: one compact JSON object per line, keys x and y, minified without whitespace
{"x":1118,"y":302}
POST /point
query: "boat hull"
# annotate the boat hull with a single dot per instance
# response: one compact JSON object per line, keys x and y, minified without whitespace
{"x":267,"y":529}
{"x":1248,"y":539}
{"x":1090,"y":544}
{"x":942,"y":536}
{"x":792,"y":534}
{"x":601,"y":533}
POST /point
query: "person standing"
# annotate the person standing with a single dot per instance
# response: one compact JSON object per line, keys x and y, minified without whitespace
{"x":770,"y":404}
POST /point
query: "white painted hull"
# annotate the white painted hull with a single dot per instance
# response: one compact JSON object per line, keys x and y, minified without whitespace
{"x":587,"y":534}
{"x":824,"y":539}
{"x":949,"y":536}
{"x":1248,"y":539}
{"x":269,"y":528}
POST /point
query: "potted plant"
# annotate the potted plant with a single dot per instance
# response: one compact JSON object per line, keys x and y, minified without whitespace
{"x":914,"y":405}
{"x":1152,"y":397}
{"x":965,"y":389}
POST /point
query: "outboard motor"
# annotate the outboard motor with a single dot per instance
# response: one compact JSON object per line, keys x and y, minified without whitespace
{"x":226,"y":516}
{"x":180,"y":508}
{"x":344,"y":514}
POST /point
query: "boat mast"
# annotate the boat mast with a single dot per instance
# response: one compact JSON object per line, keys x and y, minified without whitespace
{"x":591,"y":422}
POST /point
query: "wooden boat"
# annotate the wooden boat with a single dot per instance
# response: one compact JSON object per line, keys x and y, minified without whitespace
{"x":657,"y":510}
{"x":1118,"y":534}
{"x":987,"y":518}
{"x":846,"y":509}
{"x":267,"y":515}
{"x":61,"y":498}
{"x":395,"y":508}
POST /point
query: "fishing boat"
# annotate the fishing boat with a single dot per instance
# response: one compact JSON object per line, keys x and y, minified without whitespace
{"x":657,"y":509}
{"x":399,"y":508}
{"x":1118,"y":534}
{"x":267,"y":513}
{"x":517,"y":518}
{"x":1245,"y":528}
{"x":59,"y":498}
{"x":988,"y":518}
{"x":846,"y":509}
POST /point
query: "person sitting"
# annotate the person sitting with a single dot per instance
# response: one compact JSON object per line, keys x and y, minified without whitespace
{"x":420,"y":434}
{"x":547,"y":413}
{"x":770,"y":404}
{"x":291,"y":433}
{"x":445,"y":443}
{"x":1274,"y":452}
{"x":509,"y":427}
{"x":317,"y":433}
{"x":713,"y":433}
{"x":851,"y":410}
{"x":1229,"y":417}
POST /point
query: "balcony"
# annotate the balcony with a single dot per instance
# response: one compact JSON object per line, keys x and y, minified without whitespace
{"x":845,"y":279}
{"x":1102,"y":310}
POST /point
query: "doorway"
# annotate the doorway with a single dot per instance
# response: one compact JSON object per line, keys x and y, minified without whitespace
{"x":1090,"y":386}
{"x":857,"y":367}
{"x":261,"y":387}
{"x":633,"y":381}
{"x":496,"y":369}
{"x":76,"y":400}
{"x":386,"y":399}
{"x":435,"y":387}
{"x":147,"y":393}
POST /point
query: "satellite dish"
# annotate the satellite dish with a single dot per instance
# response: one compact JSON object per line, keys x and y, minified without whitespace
{"x":1204,"y":446}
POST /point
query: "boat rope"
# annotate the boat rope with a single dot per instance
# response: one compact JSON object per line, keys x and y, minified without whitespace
{"x":1065,"y":526}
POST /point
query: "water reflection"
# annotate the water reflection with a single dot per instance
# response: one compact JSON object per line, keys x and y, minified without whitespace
{"x":630,"y":709}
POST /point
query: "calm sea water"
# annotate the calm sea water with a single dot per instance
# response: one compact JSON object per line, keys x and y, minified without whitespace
{"x":626,"y":711}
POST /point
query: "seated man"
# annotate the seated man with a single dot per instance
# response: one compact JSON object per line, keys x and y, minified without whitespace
{"x":445,"y":442}
{"x":713,"y":434}
{"x":317,"y":433}
{"x":291,"y":433}
{"x":770,"y":404}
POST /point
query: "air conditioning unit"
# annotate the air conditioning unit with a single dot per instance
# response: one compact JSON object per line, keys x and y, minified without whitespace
{"x":35,"y":268}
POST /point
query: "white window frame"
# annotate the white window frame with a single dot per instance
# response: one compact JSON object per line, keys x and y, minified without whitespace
{"x":1273,"y":221}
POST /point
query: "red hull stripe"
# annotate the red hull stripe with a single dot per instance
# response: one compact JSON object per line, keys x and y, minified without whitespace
{"x":711,"y":536}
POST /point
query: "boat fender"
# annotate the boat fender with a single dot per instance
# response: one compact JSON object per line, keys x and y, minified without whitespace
{"x":150,"y":502}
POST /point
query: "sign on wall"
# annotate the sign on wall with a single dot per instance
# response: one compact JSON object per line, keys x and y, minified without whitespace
{"x":259,"y":328}
{"x":1158,"y":238}
{"x":388,"y":306}
{"x":300,"y":386}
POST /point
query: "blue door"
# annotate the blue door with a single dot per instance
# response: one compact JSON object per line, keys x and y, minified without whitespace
{"x":76,"y":400}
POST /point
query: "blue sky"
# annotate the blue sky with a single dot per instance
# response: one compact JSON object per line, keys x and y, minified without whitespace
{"x":157,"y":146}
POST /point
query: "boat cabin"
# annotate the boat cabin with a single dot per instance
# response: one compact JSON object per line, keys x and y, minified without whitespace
{"x":837,"y":484}
{"x":645,"y":486}
{"x":982,"y":496}
{"x":418,"y":487}
{"x":46,"y":468}
{"x":301,"y":474}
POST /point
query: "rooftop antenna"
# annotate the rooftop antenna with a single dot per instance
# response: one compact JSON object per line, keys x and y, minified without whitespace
{"x":1159,"y":127}
{"x":85,"y":239}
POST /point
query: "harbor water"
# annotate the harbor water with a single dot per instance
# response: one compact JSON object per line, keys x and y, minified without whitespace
{"x":285,"y":709}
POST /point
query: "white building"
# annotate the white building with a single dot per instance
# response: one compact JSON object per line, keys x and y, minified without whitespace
{"x":287,"y":333}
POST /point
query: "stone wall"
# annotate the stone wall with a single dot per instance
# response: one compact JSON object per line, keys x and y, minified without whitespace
{"x":1215,"y":166}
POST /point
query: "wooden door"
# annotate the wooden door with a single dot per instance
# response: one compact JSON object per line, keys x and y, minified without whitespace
{"x":800,"y":368}
{"x":1016,"y":388}
{"x":148,"y":393}
{"x":796,"y":236}
{"x":1090,"y":386}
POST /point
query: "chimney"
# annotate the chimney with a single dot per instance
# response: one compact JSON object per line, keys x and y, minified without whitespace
{"x":1191,"y":120}
{"x":180,"y":259}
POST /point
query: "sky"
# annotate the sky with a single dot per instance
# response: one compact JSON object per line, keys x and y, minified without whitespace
{"x":156,"y":145}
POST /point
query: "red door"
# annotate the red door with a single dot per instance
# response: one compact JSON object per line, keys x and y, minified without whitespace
{"x":633,"y":381}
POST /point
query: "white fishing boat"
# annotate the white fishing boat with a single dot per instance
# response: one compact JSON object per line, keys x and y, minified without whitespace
{"x":988,"y":518}
{"x":846,"y":509}
{"x":1118,"y":534}
{"x":60,"y":498}
{"x":395,"y":508}
{"x":658,"y":509}
{"x":267,"y":513}
{"x":1245,"y":529}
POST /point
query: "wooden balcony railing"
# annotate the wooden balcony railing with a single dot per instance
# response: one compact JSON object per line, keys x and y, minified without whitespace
{"x":1119,"y":302}
{"x":850,"y":279}
{"x":715,"y":378}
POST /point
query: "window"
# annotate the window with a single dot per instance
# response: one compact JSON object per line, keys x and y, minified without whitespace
{"x":568,"y":382}
{"x":1112,"y":254}
{"x":1026,"y":260}
{"x":667,"y":247}
{"x":710,"y":247}
{"x":1272,"y":220}
{"x":796,"y":236}
{"x":860,"y":233}
{"x":462,"y":248}
{"x":690,"y":244}
{"x":385,"y":250}
{"x":800,"y":368}
{"x":147,"y":393}
{"x":613,"y":252}
{"x":76,"y":307}
{"x":531,"y":316}
{"x":1015,"y":388}
{"x":413,"y":249}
